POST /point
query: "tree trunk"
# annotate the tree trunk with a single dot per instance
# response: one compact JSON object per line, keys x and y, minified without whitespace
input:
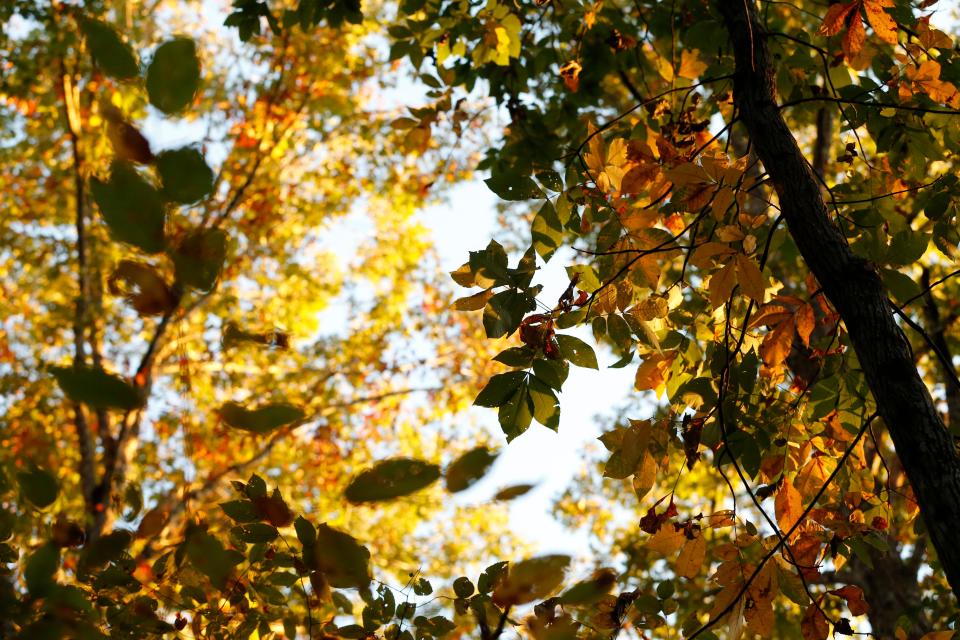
{"x":853,"y":286}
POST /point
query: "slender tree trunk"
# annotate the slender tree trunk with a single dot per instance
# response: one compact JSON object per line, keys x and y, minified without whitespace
{"x":853,"y":286}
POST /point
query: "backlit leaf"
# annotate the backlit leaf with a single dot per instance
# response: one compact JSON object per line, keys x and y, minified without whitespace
{"x":391,"y":479}
{"x":530,"y":580}
{"x":261,"y":420}
{"x":173,"y":76}
{"x":343,"y":561}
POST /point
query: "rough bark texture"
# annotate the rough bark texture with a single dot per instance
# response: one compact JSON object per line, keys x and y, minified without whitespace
{"x":853,"y":286}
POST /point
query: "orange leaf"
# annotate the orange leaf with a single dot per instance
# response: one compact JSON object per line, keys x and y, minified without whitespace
{"x":836,"y":15}
{"x":690,"y":65}
{"x":814,"y":625}
{"x":855,"y":38}
{"x":805,"y":323}
{"x":776,"y":345}
{"x":666,"y":541}
{"x":570,"y":73}
{"x":882,"y":22}
{"x":691,"y":557}
{"x":788,"y":505}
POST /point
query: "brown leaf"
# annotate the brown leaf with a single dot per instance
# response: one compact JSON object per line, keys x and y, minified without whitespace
{"x":750,"y":278}
{"x":691,"y":557}
{"x":722,"y":283}
{"x":570,"y":73}
{"x":776,"y":345}
{"x":805,"y":323}
{"x":153,"y":522}
{"x":854,"y":597}
{"x":814,"y":625}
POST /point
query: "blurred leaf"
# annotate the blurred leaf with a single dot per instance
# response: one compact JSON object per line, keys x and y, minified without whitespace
{"x":114,"y":56}
{"x":391,"y":479}
{"x":131,"y":207}
{"x":342,"y":560}
{"x":97,"y":388}
{"x":184,"y":175}
{"x":173,"y":76}
{"x":468,"y":468}
{"x":262,"y":420}
{"x":38,"y":486}
{"x":199,"y":258}
{"x":40,"y":569}
{"x":529,"y":580}
{"x":143,"y":287}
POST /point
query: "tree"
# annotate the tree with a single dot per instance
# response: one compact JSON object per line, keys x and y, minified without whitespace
{"x":170,"y":281}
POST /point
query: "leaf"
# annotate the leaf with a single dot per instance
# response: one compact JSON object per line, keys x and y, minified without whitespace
{"x":722,"y":283}
{"x":546,"y":407}
{"x":691,"y":557}
{"x":153,"y":521}
{"x":391,"y":479}
{"x":530,"y":580}
{"x":788,"y":505}
{"x":777,"y":343}
{"x":835,"y":18}
{"x":127,"y":141}
{"x":645,"y":475}
{"x":552,"y":372}
{"x":547,"y":231}
{"x":173,"y":76}
{"x":131,"y":207}
{"x":256,"y":532}
{"x":577,"y":352}
{"x":882,"y":22}
{"x":500,"y":389}
{"x":592,"y":590}
{"x":515,"y":491}
{"x":97,"y":388}
{"x":199,"y":257}
{"x":261,"y":420}
{"x":513,"y":187}
{"x":468,"y":468}
{"x":343,"y":561}
{"x":143,"y":287}
{"x":473,"y":303}
{"x":854,"y":40}
{"x":273,"y":509}
{"x":750,"y":278}
{"x":813,"y":625}
{"x":40,"y":568}
{"x":806,"y":322}
{"x":114,"y":56}
{"x":665,"y":541}
{"x":854,"y":597}
{"x":504,"y":312}
{"x":208,"y":556}
{"x":38,"y":486}
{"x":184,"y":175}
{"x":691,"y":67}
{"x":516,"y":414}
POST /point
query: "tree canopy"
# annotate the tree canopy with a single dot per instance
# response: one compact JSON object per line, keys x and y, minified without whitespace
{"x":223,"y":420}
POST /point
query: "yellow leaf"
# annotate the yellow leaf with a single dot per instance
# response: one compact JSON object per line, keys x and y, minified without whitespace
{"x":938,"y":635}
{"x":666,"y":540}
{"x":813,"y":475}
{"x":882,"y":22}
{"x":788,"y":505}
{"x":645,"y":475}
{"x":691,"y":557}
{"x":690,"y":65}
{"x":474,"y":302}
{"x":750,"y":278}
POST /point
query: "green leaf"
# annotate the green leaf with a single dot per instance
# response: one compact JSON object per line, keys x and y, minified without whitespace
{"x":462,"y":587}
{"x":114,"y":56}
{"x":262,"y":420}
{"x":97,"y":388}
{"x":131,"y":207}
{"x":516,"y":357}
{"x":488,"y":267}
{"x":240,"y":510}
{"x":306,"y":532}
{"x":577,"y":351}
{"x":40,"y":569}
{"x":551,"y":180}
{"x":552,"y":372}
{"x":105,"y":549}
{"x":38,"y":486}
{"x":391,"y":479}
{"x":907,"y":247}
{"x":516,"y":414}
{"x":199,"y":258}
{"x":343,"y":561}
{"x":500,"y":388}
{"x":256,"y":532}
{"x":546,"y":407}
{"x":207,"y":554}
{"x":173,"y":76}
{"x":513,"y":187}
{"x":184,"y":175}
{"x":468,"y":468}
{"x":547,"y":231}
{"x":505,"y":311}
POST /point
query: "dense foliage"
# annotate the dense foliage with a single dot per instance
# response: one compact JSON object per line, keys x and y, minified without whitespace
{"x":760,"y":203}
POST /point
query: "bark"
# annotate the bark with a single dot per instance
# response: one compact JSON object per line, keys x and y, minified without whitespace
{"x":853,"y":286}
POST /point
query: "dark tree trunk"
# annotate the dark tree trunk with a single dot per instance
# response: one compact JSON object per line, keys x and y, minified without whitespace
{"x":853,"y":286}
